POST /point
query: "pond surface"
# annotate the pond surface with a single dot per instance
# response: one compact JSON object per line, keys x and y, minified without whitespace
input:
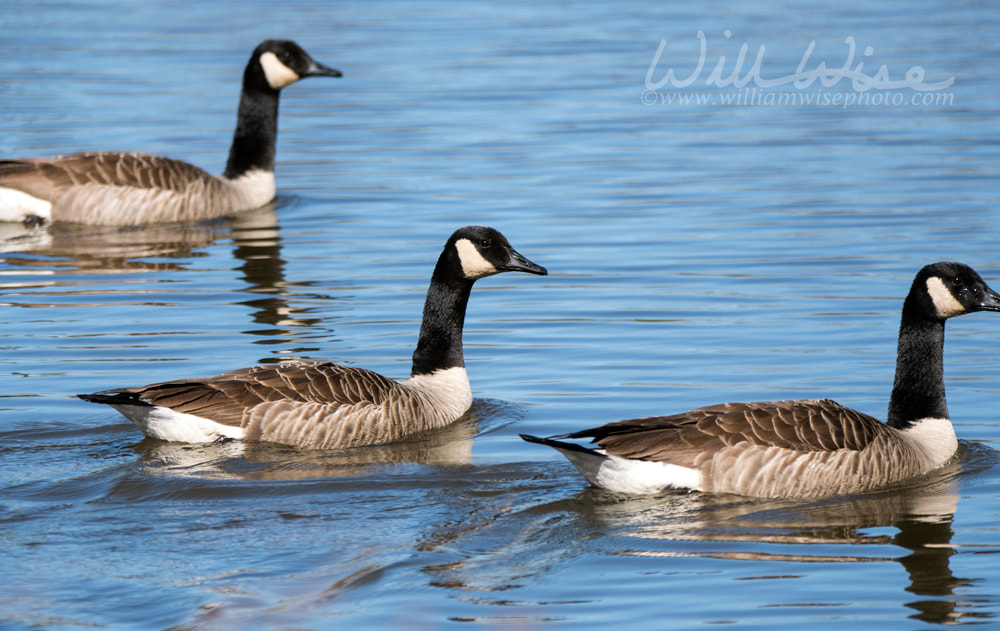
{"x":698,"y":253}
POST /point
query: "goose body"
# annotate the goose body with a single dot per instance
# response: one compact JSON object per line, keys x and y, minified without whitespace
{"x":111,"y":188}
{"x":800,"y":448}
{"x":330,"y":406}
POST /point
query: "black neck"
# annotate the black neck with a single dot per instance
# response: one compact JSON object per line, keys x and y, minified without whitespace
{"x":440,"y":343}
{"x":256,"y":132}
{"x":919,"y":388}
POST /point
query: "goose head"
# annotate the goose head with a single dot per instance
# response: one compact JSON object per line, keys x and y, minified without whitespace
{"x":944,"y":290}
{"x":478,"y":252}
{"x":279,"y":63}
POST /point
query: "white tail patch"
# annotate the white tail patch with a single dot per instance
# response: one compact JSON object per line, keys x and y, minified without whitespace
{"x":166,"y":424}
{"x":278,"y":74}
{"x":627,"y":475}
{"x":474,"y":265}
{"x":945,"y":303}
{"x":16,"y":205}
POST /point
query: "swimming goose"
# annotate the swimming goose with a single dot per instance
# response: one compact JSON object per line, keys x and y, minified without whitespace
{"x":110,"y":188}
{"x":802,"y":448}
{"x":330,"y":406}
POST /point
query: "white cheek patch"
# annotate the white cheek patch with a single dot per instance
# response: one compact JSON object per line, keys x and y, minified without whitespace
{"x":944,"y":301}
{"x":473,"y":263}
{"x":278,"y":74}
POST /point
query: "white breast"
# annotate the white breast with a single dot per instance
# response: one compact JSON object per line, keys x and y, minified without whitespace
{"x":447,"y":391}
{"x":934,"y":438}
{"x":253,"y":189}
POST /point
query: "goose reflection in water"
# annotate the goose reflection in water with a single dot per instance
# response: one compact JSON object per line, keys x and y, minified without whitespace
{"x":493,"y":554}
{"x":112,"y":249}
{"x":75,"y":259}
{"x":922,"y":513}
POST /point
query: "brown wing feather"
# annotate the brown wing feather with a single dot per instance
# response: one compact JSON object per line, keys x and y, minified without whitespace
{"x":227,"y":397}
{"x":800,"y":425}
{"x":44,"y":178}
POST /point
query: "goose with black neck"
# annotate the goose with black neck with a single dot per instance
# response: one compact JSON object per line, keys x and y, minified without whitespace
{"x":114,"y":188}
{"x":331,"y":406}
{"x":800,"y":448}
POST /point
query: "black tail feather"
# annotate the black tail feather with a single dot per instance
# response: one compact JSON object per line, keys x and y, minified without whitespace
{"x":110,"y":397}
{"x":556,"y":444}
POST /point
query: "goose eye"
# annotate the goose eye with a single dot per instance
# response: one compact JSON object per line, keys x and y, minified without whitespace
{"x":486,"y":243}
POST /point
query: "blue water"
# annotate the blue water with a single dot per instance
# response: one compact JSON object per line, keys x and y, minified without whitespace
{"x":698,"y":253}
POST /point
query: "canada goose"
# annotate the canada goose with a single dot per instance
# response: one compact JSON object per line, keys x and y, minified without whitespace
{"x":111,"y":188}
{"x":800,"y":448}
{"x":330,"y":406}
